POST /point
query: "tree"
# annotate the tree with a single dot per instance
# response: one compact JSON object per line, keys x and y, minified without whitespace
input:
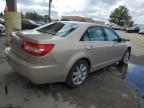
{"x":33,"y":16}
{"x":121,"y":16}
{"x":130,"y":24}
{"x":46,"y":18}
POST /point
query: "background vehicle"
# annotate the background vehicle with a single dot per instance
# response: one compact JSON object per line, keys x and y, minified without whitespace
{"x":2,"y":28}
{"x":109,"y":25}
{"x":2,"y":21}
{"x":65,"y":51}
{"x":116,"y":27}
{"x":133,"y":29}
{"x":29,"y":24}
{"x":40,"y":22}
{"x":141,"y":31}
{"x":113,"y":26}
{"x":123,"y":28}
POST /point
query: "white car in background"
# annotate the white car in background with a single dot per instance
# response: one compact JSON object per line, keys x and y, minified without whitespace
{"x":141,"y":31}
{"x":2,"y":28}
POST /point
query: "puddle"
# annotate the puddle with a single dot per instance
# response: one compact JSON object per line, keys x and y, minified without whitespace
{"x":133,"y":74}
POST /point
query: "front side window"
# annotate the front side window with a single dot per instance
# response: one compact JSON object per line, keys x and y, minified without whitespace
{"x":59,"y":29}
{"x":111,"y":35}
{"x":96,"y":34}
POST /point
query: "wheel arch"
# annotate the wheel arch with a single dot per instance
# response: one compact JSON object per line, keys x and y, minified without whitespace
{"x":129,"y":48}
{"x":87,"y":60}
{"x":68,"y":79}
{"x":74,"y":60}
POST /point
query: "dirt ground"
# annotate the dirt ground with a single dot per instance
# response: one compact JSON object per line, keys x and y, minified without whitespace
{"x":106,"y":88}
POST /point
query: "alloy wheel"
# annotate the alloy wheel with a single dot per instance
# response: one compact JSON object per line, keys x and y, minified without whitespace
{"x":79,"y":74}
{"x":126,"y":57}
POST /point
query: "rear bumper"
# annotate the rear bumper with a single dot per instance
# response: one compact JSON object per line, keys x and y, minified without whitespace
{"x":36,"y":73}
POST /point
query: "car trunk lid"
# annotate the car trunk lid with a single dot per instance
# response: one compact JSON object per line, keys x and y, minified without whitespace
{"x":28,"y":36}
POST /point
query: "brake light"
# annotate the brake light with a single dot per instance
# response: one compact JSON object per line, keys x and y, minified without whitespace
{"x":36,"y":49}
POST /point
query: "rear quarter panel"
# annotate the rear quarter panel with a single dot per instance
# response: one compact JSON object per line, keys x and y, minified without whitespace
{"x":66,"y":53}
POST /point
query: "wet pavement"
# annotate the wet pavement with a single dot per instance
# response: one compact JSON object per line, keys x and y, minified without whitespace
{"x":103,"y":89}
{"x":135,"y":70}
{"x":135,"y":75}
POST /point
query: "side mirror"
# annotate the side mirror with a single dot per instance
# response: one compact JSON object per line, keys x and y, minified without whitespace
{"x":123,"y":39}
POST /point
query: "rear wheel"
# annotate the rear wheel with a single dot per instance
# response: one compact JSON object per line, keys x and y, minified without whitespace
{"x":126,"y":57}
{"x":78,"y":74}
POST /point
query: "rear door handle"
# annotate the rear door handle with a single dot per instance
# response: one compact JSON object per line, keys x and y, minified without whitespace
{"x":90,"y":47}
{"x":112,"y":46}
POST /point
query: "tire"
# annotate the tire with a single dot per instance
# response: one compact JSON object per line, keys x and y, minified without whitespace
{"x":126,"y":57}
{"x":78,"y":74}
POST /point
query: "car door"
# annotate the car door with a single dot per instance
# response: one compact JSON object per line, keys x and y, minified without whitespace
{"x":117,"y":47}
{"x":96,"y":47}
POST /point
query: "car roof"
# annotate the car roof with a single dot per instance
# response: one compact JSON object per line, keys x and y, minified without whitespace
{"x":75,"y":22}
{"x":81,"y":23}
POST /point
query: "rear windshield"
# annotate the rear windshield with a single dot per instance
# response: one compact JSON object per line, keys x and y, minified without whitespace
{"x":59,"y":29}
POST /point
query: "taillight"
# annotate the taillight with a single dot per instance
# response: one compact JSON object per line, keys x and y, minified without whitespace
{"x":36,"y":49}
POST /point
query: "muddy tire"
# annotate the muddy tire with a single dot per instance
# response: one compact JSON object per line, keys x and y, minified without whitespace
{"x":126,"y":57}
{"x":78,"y":74}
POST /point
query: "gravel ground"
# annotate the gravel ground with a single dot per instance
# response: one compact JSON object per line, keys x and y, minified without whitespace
{"x":104,"y":89}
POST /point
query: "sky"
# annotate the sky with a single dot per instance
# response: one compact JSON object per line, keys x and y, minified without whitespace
{"x":96,"y":9}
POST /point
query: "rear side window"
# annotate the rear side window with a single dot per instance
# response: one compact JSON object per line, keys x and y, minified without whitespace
{"x":59,"y":29}
{"x":85,"y":37}
{"x":111,"y":35}
{"x":94,"y":34}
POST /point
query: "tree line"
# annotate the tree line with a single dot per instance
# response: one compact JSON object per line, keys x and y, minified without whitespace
{"x":31,"y":15}
{"x":34,"y":16}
